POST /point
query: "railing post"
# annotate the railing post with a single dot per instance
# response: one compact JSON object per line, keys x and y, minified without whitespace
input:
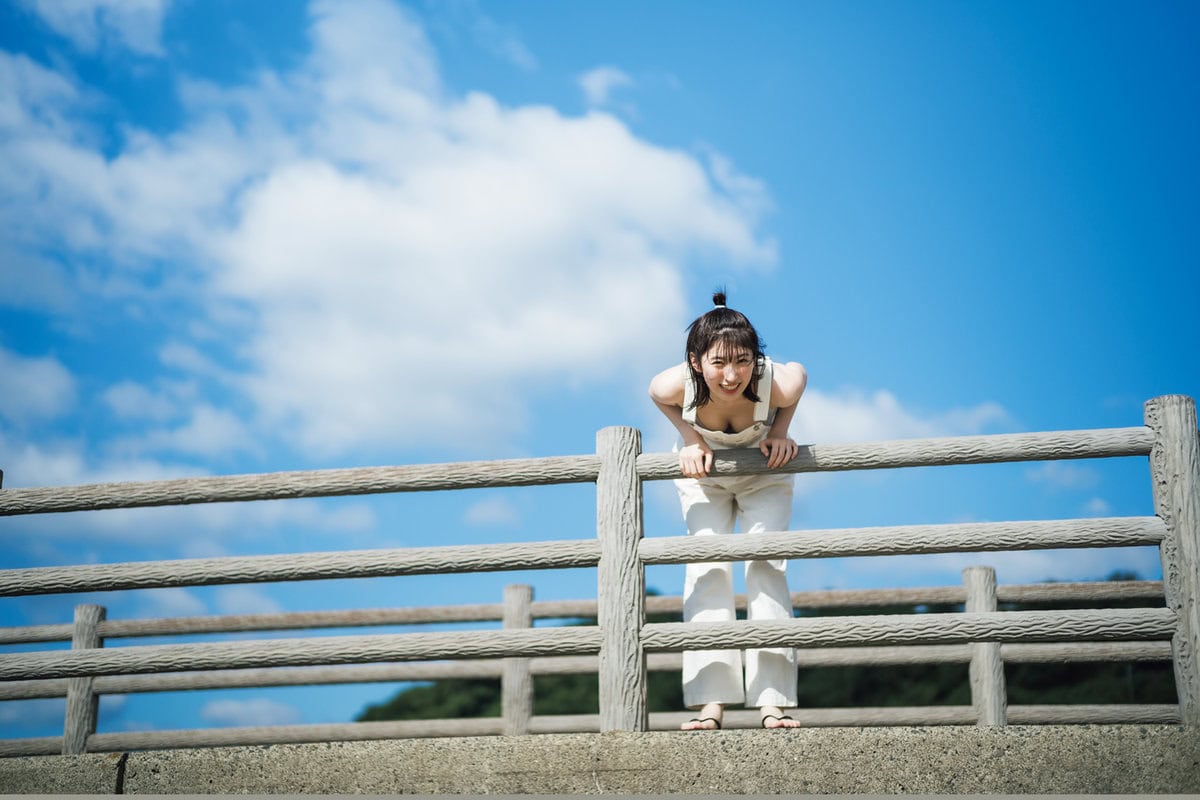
{"x":82,"y":702}
{"x":621,"y":577}
{"x":989,"y":695}
{"x":1175,"y":473}
{"x":516,"y":683}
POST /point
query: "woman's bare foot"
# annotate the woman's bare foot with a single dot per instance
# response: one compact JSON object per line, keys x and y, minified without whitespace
{"x":707,"y":718}
{"x":773,"y":717}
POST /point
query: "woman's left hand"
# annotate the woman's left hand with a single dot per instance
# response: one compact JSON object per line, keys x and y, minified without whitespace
{"x":779,"y":451}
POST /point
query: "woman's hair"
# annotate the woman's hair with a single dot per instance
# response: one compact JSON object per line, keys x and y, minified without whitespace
{"x":730,"y":331}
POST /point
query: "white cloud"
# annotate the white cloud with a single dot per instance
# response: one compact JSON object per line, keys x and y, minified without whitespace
{"x":250,"y":713}
{"x":131,"y":400}
{"x":31,"y":281}
{"x":169,"y":602}
{"x":853,"y":415}
{"x":598,"y":84}
{"x":33,"y":388}
{"x":245,"y":600}
{"x":498,"y":39}
{"x":424,"y":246}
{"x":20,"y":715}
{"x":91,"y":24}
{"x":1097,"y":507}
{"x":493,"y":511}
{"x":503,"y":42}
{"x":210,"y":432}
{"x":371,"y":55}
{"x":35,"y":98}
{"x":65,"y":462}
{"x":1060,"y":475}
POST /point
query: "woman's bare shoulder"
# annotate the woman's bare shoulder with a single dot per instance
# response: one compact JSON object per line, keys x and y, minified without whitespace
{"x":667,"y":386}
{"x":788,"y":381}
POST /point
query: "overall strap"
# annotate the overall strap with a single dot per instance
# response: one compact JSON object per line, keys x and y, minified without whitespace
{"x":762,"y":409}
{"x":689,"y":395}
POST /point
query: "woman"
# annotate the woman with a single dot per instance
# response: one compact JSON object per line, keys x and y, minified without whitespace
{"x":727,"y":393}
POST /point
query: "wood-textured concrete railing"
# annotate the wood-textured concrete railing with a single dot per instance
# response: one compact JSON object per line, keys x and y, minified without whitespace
{"x":516,"y":675}
{"x":623,"y":641}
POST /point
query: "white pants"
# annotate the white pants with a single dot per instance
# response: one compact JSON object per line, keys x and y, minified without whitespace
{"x":711,"y":506}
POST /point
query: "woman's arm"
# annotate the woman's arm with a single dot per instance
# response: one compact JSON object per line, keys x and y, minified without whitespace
{"x":666,"y":390}
{"x":788,"y":382}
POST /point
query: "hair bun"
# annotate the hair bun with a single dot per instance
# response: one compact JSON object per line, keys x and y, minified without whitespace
{"x":719,"y":298}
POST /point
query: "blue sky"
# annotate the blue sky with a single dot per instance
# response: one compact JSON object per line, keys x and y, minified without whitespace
{"x":242,"y":237}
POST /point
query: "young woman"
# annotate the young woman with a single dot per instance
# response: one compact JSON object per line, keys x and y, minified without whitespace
{"x":728,"y":394}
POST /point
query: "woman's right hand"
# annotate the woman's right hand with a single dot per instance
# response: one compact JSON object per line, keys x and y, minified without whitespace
{"x":695,"y":460}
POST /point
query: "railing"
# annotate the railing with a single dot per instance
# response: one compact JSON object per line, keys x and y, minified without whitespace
{"x":518,"y":610}
{"x":626,"y":645}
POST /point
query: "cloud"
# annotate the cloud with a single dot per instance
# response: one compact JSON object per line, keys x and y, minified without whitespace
{"x":853,"y":415}
{"x":493,"y":511}
{"x":1097,"y":507}
{"x":371,"y":54}
{"x":18,"y":716}
{"x":476,"y":249}
{"x":245,"y":600}
{"x":598,"y":84}
{"x":66,"y":462}
{"x":1059,"y":475}
{"x":250,"y":713}
{"x":170,"y":602}
{"x":209,"y":432}
{"x":92,"y":24}
{"x":33,"y":389}
{"x":504,"y":42}
{"x":386,"y":264}
{"x":131,"y":400}
{"x":33,"y":97}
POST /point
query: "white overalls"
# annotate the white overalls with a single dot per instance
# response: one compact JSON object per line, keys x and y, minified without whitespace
{"x":710,"y":506}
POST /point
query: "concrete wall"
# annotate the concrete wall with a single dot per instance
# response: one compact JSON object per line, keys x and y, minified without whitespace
{"x":1123,"y":759}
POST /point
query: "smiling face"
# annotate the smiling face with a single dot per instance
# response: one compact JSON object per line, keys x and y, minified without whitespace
{"x":726,"y":370}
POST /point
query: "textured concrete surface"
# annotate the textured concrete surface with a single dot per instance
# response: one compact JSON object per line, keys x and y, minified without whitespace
{"x":94,"y":773}
{"x":1124,"y":759}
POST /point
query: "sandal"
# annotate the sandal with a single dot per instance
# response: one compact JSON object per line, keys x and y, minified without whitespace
{"x":713,"y":720}
{"x":780,"y":717}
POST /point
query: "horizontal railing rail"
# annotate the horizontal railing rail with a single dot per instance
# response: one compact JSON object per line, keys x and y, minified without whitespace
{"x":301,"y":567}
{"x":936,"y":452}
{"x":975,"y":537}
{"x":319,"y":650}
{"x":567,"y":609}
{"x":946,"y":451}
{"x":1074,"y":652}
{"x":1119,"y":624}
{"x":302,"y":484}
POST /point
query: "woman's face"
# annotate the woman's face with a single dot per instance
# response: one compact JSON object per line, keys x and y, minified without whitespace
{"x":726,"y":370}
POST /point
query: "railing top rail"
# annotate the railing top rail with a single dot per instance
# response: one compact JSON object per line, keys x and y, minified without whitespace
{"x":1098,"y":443}
{"x":302,"y":483}
{"x":945,"y":451}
